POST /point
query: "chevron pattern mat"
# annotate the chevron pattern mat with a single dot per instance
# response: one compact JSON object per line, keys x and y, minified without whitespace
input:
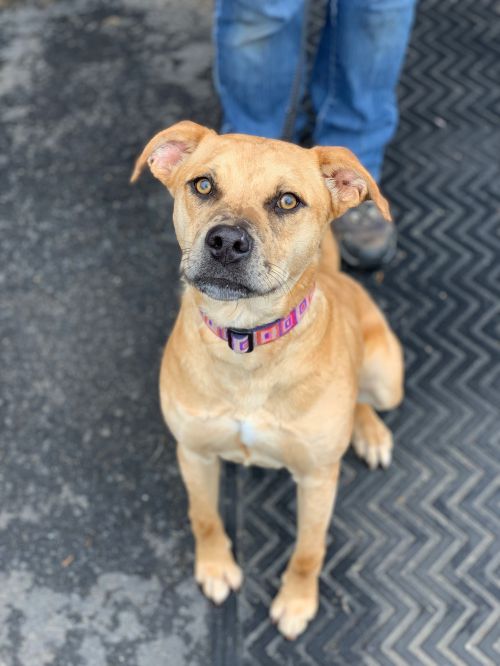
{"x":412,"y":569}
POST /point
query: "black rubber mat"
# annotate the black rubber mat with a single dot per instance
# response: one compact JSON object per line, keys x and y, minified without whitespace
{"x":412,"y":569}
{"x":96,"y":554}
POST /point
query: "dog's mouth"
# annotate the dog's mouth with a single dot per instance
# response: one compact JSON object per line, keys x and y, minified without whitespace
{"x":222,"y":289}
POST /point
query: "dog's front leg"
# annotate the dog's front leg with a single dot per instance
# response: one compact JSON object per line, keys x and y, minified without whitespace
{"x":297,"y":600}
{"x":215,"y":568}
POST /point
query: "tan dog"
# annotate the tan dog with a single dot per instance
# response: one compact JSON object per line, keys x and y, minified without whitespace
{"x":252,"y":219}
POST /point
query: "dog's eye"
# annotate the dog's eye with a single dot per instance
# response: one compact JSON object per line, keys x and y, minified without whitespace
{"x":288,"y":201}
{"x":203,"y":185}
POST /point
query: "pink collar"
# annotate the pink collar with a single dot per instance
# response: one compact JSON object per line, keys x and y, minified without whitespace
{"x":244,"y":340}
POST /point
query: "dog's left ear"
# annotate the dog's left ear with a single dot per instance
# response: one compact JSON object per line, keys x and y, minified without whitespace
{"x":168,"y":149}
{"x":348,"y":181}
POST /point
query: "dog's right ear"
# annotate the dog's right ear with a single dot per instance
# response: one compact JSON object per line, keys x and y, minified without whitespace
{"x":168,"y":149}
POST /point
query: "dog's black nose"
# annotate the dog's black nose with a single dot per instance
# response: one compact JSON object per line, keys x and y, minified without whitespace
{"x":228,"y":244}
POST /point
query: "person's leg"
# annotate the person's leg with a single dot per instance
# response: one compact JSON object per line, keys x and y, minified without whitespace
{"x":353,"y":91}
{"x":356,"y":73}
{"x":259,"y":62}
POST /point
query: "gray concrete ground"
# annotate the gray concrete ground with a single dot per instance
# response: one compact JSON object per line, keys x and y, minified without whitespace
{"x":95,"y":552}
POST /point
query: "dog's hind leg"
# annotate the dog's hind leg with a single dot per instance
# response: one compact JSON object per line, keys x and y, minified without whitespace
{"x":215,"y":568}
{"x":381,"y":377}
{"x":380,"y":387}
{"x":371,"y":438}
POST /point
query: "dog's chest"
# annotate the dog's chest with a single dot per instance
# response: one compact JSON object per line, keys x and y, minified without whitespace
{"x":254,"y":443}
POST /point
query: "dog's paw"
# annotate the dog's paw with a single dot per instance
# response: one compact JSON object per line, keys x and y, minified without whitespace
{"x":293,"y":612}
{"x":218,"y":577}
{"x":372,"y":440}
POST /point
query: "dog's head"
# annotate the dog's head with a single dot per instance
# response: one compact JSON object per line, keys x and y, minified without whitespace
{"x":250,"y":213}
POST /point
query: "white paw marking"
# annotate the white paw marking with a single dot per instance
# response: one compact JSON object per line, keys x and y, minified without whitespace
{"x":292,"y":615}
{"x":217,"y":579}
{"x":372,"y":441}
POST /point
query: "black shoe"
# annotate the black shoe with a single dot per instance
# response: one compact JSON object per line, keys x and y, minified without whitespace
{"x":365,"y":238}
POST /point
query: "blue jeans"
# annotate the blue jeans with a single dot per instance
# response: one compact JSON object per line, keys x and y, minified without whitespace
{"x":260,"y":70}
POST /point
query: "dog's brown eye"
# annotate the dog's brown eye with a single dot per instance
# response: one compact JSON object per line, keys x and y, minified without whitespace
{"x":288,"y":201}
{"x":203,"y":186}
